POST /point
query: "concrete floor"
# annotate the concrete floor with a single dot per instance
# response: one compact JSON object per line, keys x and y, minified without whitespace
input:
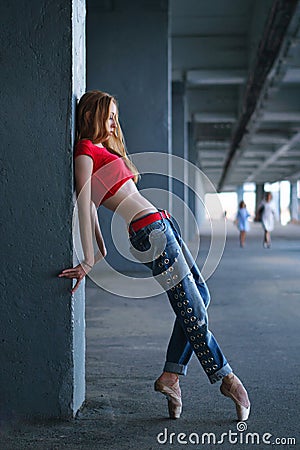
{"x":254,"y":314}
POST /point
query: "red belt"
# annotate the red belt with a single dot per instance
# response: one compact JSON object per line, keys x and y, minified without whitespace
{"x":136,"y":225}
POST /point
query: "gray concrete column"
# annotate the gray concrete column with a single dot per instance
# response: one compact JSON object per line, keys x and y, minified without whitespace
{"x":259,"y":194}
{"x":179,"y":176}
{"x":240,"y":193}
{"x":128,"y":56}
{"x":192,"y":199}
{"x":294,"y":202}
{"x":39,"y":325}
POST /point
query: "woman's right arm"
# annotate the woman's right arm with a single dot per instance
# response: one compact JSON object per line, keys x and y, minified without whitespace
{"x":83,"y":173}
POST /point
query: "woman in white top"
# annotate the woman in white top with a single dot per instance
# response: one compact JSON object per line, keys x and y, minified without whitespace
{"x":267,"y":218}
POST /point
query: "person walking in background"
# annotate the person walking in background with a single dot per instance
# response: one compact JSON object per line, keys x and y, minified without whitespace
{"x":242,"y":222}
{"x":267,"y":213}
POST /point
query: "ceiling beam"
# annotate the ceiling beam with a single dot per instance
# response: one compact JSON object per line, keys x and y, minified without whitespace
{"x":214,"y":117}
{"x":280,"y":152}
{"x":214,"y":77}
{"x":273,"y":36}
{"x":284,"y":116}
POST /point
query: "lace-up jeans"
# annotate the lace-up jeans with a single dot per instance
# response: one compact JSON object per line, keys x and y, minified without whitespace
{"x":160,"y":247}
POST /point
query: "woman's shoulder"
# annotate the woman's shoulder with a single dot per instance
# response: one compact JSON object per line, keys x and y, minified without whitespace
{"x":85,"y":147}
{"x":84,"y":143}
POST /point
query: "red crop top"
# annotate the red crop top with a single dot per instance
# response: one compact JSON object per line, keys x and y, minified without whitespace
{"x":109,"y":170}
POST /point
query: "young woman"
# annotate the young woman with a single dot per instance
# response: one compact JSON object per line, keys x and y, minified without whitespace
{"x":242,"y":222}
{"x":267,"y":212}
{"x":104,"y":175}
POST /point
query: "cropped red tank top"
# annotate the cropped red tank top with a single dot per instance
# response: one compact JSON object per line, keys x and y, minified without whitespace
{"x":109,"y":170}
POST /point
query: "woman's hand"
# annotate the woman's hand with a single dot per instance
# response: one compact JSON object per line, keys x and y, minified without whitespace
{"x":78,"y":272}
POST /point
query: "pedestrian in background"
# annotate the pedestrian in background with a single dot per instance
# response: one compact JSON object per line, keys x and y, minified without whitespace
{"x":266,"y":212}
{"x":242,"y":222}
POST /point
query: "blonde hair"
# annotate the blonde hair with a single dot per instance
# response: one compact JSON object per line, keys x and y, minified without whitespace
{"x":92,"y":115}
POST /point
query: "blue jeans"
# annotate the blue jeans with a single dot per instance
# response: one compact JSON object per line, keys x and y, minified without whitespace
{"x":160,"y":247}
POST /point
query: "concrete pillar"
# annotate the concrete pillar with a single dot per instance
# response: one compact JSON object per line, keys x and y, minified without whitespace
{"x":259,"y":195}
{"x":240,"y":193}
{"x":180,"y":148}
{"x":192,"y":199}
{"x":39,"y":325}
{"x":294,"y":203}
{"x":128,"y":56}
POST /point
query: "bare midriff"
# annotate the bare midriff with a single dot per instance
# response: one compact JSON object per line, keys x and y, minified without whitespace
{"x":129,"y":203}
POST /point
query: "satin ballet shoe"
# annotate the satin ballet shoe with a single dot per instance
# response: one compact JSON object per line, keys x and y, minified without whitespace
{"x":234,"y":389}
{"x":173,"y":394}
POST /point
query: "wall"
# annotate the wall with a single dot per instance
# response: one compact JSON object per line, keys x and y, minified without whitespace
{"x":36,"y":337}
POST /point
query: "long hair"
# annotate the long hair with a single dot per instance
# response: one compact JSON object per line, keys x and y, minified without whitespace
{"x":91,"y":117}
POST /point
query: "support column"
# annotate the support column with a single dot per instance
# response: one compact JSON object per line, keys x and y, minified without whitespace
{"x":240,"y":193}
{"x":193,"y":200}
{"x":37,"y":354}
{"x":179,"y":148}
{"x":128,"y":56}
{"x":294,"y":202}
{"x":259,"y":195}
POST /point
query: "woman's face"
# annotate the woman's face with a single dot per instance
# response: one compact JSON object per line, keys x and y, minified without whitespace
{"x":111,"y":120}
{"x":268,"y":197}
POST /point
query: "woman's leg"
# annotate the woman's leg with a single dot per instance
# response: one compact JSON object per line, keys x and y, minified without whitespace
{"x":242,"y":238}
{"x":175,"y":263}
{"x":267,"y":239}
{"x":172,"y":271}
{"x":179,"y":350}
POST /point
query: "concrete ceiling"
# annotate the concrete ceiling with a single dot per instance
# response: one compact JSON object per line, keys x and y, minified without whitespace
{"x":240,"y":64}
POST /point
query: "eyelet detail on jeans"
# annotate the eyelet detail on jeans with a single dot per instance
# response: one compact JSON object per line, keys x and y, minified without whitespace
{"x":186,"y":321}
{"x":189,"y":329}
{"x":173,"y":289}
{"x":202,"y":344}
{"x":214,"y":366}
{"x":210,"y":360}
{"x":199,"y":354}
{"x":166,"y":261}
{"x":182,"y":313}
{"x":196,"y":346}
{"x":193,"y":338}
{"x":204,"y":362}
{"x":185,"y":302}
{"x":193,"y":318}
{"x":208,"y":370}
{"x":164,"y":273}
{"x":206,"y":352}
{"x":175,"y":277}
{"x":200,"y":334}
{"x":189,"y":310}
{"x":171,"y":269}
{"x":175,"y":296}
{"x":182,"y":294}
{"x":179,"y":304}
{"x":195,"y":327}
{"x":163,"y":254}
{"x":169,"y":280}
{"x":160,"y":264}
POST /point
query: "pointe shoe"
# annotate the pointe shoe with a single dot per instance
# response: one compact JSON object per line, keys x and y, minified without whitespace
{"x":234,"y":389}
{"x":173,"y":395}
